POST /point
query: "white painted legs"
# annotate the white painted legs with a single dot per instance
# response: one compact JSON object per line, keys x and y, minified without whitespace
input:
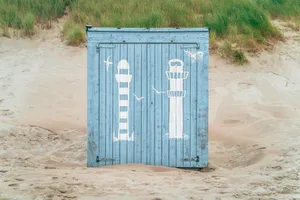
{"x":176,"y":118}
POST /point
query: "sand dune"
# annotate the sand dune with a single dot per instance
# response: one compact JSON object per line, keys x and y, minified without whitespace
{"x":254,"y":130}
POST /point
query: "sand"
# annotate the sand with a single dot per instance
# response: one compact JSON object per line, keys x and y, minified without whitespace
{"x":254,"y":134}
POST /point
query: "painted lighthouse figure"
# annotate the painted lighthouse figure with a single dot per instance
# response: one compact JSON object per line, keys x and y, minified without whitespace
{"x":176,"y":75}
{"x":123,"y":78}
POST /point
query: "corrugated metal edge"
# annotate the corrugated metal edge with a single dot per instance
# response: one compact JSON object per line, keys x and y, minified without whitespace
{"x":89,"y":28}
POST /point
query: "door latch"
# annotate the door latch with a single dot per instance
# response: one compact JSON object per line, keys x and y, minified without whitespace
{"x":195,"y":159}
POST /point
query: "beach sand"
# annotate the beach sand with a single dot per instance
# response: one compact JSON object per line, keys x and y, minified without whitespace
{"x":254,"y":129}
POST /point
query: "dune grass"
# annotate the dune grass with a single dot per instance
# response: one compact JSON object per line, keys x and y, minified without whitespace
{"x":73,"y":34}
{"x":284,"y":9}
{"x":242,"y":25}
{"x":23,"y":14}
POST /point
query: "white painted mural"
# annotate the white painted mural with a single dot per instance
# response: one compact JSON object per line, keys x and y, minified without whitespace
{"x":194,"y":55}
{"x":176,"y":93}
{"x":138,"y":98}
{"x":107,"y":63}
{"x":123,"y":79}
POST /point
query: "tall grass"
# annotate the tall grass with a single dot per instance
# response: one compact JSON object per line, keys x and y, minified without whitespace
{"x":22,"y":14}
{"x":242,"y":24}
{"x":28,"y":24}
{"x":136,"y":13}
{"x":232,"y":17}
{"x":14,"y":10}
{"x":281,"y":8}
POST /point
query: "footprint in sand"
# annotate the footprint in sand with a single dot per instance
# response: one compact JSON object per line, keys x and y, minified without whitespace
{"x":13,"y":184}
{"x":6,"y":112}
{"x":4,"y":87}
{"x":244,"y":85}
{"x":19,"y":179}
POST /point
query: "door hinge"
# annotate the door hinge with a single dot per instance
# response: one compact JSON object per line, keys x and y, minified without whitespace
{"x":104,"y":159}
{"x":105,"y":46}
{"x":196,"y":46}
{"x":195,"y":159}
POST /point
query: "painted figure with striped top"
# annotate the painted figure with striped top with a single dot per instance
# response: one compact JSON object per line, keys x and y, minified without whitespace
{"x":123,"y":78}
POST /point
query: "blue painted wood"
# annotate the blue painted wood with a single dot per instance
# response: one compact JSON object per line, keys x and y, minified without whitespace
{"x":165,"y":106}
{"x":92,"y":111}
{"x":187,"y":111}
{"x":148,"y":53}
{"x":193,"y":142}
{"x":130,"y":144}
{"x":150,"y":105}
{"x":144,"y":121}
{"x":137,"y":104}
{"x":116,"y":144}
{"x":102,"y":106}
{"x":158,"y":129}
{"x":202,"y":107}
{"x":109,"y":108}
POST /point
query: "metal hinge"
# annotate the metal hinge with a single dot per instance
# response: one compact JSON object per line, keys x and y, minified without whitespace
{"x":111,"y":46}
{"x":195,"y":159}
{"x":196,"y":46}
{"x":104,"y":159}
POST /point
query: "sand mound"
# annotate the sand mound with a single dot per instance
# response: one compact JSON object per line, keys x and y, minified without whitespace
{"x":254,"y":130}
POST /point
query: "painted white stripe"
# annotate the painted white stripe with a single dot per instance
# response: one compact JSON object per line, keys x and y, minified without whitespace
{"x":123,"y":115}
{"x":123,"y":126}
{"x":123,"y":103}
{"x":123,"y":64}
{"x":123,"y":90}
{"x":123,"y":78}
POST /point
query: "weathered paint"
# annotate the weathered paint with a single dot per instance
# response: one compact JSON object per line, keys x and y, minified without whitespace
{"x":148,"y":96}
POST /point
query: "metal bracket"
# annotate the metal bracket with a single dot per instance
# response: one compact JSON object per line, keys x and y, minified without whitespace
{"x":196,"y":159}
{"x":196,"y":46}
{"x":87,"y":27}
{"x":104,"y":159}
{"x":105,"y":46}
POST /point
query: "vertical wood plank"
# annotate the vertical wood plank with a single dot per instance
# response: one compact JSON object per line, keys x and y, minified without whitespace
{"x":102,"y":105}
{"x":187,"y":110}
{"x":194,"y":86}
{"x":109,"y":108}
{"x":144,"y":105}
{"x":150,"y":94}
{"x":92,"y":108}
{"x":130,"y":144}
{"x":165,"y":105}
{"x":158,"y":129}
{"x":137,"y":104}
{"x":116,"y":144}
{"x":202,"y":107}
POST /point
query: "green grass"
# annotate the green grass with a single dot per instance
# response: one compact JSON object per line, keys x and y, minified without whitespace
{"x":28,"y":24}
{"x":284,"y":9}
{"x":244,"y":24}
{"x":22,"y":14}
{"x":73,"y":34}
{"x":241,"y":22}
{"x":236,"y":18}
{"x":135,"y":13}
